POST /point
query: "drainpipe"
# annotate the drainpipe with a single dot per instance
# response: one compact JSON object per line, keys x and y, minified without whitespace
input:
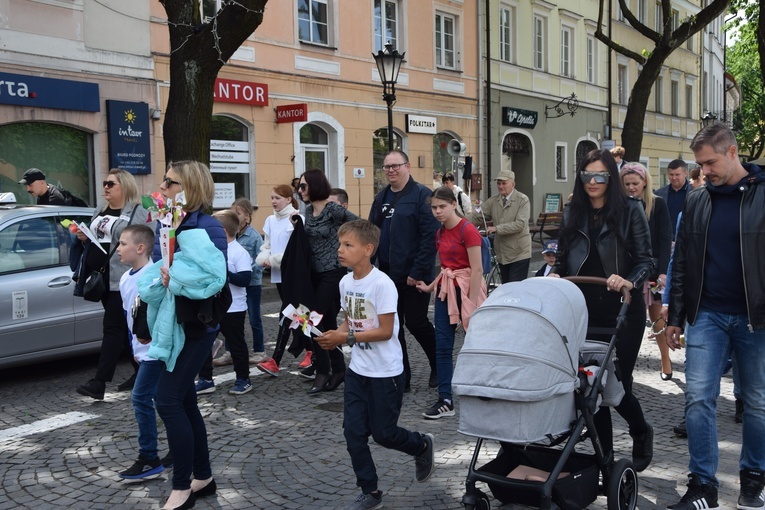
{"x":479,"y":82}
{"x":488,"y":100}
{"x":609,"y":122}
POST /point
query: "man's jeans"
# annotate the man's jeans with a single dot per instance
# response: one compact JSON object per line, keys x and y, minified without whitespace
{"x":144,"y":391}
{"x":371,"y":407}
{"x":709,"y":343}
{"x":256,"y":322}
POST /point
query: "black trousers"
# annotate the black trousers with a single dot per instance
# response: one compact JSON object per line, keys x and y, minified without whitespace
{"x":232,"y":329}
{"x":116,"y":340}
{"x":515,"y":271}
{"x":326,"y":286}
{"x":413,"y":312}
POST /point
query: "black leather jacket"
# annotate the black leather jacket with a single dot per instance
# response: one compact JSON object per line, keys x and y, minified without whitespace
{"x":630,"y":259}
{"x":691,"y":246}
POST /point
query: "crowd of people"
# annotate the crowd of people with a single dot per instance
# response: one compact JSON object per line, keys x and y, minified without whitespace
{"x":380,"y":274}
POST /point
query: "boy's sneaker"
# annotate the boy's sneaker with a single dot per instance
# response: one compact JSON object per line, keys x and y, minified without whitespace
{"x":269,"y":366}
{"x":366,"y":502}
{"x":167,"y":460}
{"x":752,"y":494}
{"x":308,"y":373}
{"x":699,"y":496}
{"x":439,"y":409}
{"x":257,"y":357}
{"x":306,"y":360}
{"x":223,"y":359}
{"x":423,"y":462}
{"x":143,"y":469}
{"x":240,"y":387}
{"x":93,"y":389}
{"x":204,"y":386}
{"x":642,"y":450}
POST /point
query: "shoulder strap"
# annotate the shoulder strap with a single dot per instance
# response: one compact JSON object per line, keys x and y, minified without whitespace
{"x":111,"y":252}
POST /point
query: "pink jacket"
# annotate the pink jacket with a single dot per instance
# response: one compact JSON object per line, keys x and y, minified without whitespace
{"x":462,"y":276}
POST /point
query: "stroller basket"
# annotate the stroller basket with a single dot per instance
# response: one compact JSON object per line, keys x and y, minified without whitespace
{"x":576,"y":488}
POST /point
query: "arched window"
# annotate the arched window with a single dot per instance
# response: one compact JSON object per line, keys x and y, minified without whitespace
{"x":229,"y":160}
{"x":64,"y":154}
{"x":379,"y":150}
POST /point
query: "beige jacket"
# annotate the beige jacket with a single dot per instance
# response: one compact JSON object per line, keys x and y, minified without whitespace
{"x":512,"y":241}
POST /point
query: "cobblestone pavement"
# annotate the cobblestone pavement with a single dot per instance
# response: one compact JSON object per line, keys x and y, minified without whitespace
{"x":278,"y":447}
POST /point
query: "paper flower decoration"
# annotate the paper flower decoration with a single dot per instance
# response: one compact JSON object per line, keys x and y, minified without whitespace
{"x":304,"y":319}
{"x":168,"y":212}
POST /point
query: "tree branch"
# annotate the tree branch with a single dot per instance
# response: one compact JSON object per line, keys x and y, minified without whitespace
{"x":637,"y":24}
{"x":637,"y":57}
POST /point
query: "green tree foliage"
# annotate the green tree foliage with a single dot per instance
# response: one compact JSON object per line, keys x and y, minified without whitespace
{"x":745,"y":62}
{"x":652,"y":59}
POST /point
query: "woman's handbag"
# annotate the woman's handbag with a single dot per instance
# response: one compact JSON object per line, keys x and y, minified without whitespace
{"x":94,"y":288}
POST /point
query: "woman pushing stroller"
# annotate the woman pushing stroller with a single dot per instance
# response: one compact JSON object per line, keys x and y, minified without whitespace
{"x":605,"y":234}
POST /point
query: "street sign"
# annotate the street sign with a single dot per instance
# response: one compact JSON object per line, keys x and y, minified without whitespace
{"x":358,"y":173}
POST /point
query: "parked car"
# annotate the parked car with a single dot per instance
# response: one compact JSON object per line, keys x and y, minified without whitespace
{"x":40,"y":319}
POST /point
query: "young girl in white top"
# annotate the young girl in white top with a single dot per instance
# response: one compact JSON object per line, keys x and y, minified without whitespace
{"x":277,"y":231}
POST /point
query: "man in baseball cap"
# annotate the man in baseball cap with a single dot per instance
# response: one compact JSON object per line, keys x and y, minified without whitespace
{"x":46,"y":194}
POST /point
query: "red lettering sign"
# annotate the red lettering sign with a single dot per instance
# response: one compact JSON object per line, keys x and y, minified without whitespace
{"x":241,"y":92}
{"x":292,"y":113}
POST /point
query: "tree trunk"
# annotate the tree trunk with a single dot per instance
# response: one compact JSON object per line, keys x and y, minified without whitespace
{"x":632,"y":132}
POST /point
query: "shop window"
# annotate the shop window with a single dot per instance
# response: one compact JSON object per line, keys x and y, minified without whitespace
{"x":229,"y":160}
{"x":379,"y":150}
{"x":64,"y":154}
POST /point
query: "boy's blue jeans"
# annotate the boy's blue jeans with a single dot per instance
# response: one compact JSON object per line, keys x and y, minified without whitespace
{"x":254,"y":293}
{"x":372,"y":406}
{"x":144,"y":391}
{"x":709,"y":343}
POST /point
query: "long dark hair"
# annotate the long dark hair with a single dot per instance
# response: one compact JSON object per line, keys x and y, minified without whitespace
{"x":615,"y":198}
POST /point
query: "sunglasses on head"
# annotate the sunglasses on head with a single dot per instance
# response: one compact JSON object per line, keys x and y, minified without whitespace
{"x":110,"y":184}
{"x":169,"y":182}
{"x":600,"y":177}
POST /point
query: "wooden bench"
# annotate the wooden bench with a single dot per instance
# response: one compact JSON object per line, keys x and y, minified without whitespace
{"x":547,"y":224}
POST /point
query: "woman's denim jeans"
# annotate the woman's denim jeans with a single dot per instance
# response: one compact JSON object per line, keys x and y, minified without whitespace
{"x":709,"y":342}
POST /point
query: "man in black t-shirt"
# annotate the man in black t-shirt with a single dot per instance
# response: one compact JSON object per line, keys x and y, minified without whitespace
{"x":46,"y":194}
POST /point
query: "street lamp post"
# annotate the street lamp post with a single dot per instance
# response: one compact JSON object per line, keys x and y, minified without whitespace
{"x":708,"y":119}
{"x":389,"y":63}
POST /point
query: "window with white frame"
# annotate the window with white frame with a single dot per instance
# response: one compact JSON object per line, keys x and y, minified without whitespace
{"x":621,"y":84}
{"x":386,"y":24}
{"x":446,"y":25}
{"x":560,"y":161}
{"x":642,"y":8}
{"x":566,"y":52}
{"x":619,"y":13}
{"x":313,"y":21}
{"x":689,"y":101}
{"x":209,"y":9}
{"x":592,"y":59}
{"x":674,"y":97}
{"x":506,"y":29}
{"x":657,"y":15}
{"x":675,"y":19}
{"x":689,"y":43}
{"x":540,"y":46}
{"x":658,"y":95}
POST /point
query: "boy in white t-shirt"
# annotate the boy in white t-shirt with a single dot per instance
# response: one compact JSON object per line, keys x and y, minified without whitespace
{"x":374,"y":382}
{"x":135,"y":246}
{"x":232,"y":324}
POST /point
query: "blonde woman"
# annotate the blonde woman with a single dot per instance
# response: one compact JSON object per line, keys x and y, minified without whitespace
{"x":637,"y":183}
{"x":120,"y":209}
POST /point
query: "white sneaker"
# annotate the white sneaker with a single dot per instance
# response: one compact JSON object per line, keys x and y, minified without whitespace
{"x":257,"y":357}
{"x":223,"y":359}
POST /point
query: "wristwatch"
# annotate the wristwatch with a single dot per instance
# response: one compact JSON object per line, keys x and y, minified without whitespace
{"x":351,"y":339}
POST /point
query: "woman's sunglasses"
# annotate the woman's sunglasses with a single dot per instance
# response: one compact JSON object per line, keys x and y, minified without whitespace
{"x":303,"y":186}
{"x":169,"y":182}
{"x":110,"y":184}
{"x":600,"y":177}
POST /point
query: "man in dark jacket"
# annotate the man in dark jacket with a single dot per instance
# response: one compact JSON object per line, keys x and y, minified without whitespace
{"x":407,"y":252}
{"x":46,"y":194}
{"x":674,"y":193}
{"x":718,"y":285}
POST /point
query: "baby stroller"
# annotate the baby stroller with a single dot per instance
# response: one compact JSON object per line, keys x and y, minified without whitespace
{"x":528,"y":378}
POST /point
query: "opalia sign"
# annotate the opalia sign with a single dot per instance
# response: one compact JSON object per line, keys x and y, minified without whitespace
{"x":519,"y":118}
{"x":241,"y":92}
{"x":24,"y":90}
{"x":129,"y":140}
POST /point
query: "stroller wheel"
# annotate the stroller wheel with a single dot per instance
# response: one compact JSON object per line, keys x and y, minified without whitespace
{"x":482,"y":502}
{"x":622,"y":488}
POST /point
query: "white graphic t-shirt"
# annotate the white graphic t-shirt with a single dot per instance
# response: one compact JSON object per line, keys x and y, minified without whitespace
{"x":364,"y":300}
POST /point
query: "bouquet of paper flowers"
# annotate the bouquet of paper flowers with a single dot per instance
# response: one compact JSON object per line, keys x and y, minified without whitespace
{"x":169,"y":213}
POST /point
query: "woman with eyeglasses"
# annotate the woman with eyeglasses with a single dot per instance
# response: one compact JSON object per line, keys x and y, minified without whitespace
{"x":322,"y":220}
{"x":605,"y":234}
{"x":121,"y":208}
{"x":637,"y":183}
{"x":176,"y":396}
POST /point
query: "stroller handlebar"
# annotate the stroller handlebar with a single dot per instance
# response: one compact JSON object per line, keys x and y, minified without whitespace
{"x":594,"y":280}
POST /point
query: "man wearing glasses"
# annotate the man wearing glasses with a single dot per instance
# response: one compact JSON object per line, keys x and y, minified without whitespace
{"x":407,"y":252}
